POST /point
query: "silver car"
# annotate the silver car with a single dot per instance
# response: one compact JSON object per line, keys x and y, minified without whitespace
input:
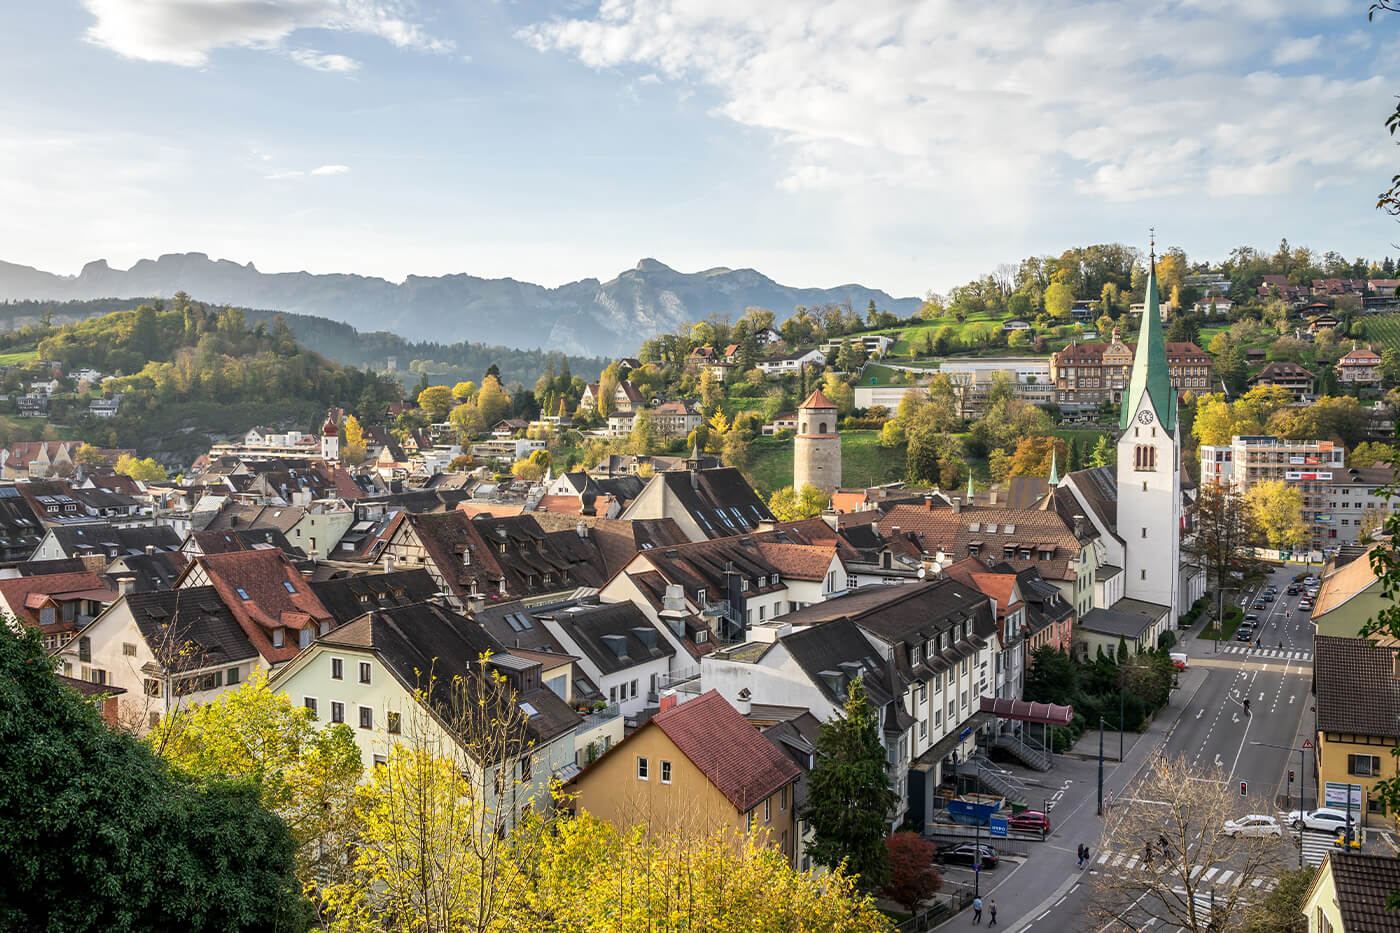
{"x":1255,"y":824}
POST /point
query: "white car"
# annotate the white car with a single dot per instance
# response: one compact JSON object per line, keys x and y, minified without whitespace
{"x":1325,"y":819}
{"x":1254,"y":824}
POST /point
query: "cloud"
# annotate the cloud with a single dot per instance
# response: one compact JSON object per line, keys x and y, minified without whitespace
{"x":983,"y":112}
{"x":181,"y":32}
{"x":331,"y":170}
{"x":283,"y":176}
{"x":323,"y":61}
{"x":1293,"y":51}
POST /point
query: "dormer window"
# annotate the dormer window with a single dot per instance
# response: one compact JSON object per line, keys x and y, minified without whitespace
{"x":467,"y":558}
{"x":914,"y":655}
{"x":700,"y":597}
{"x":744,"y":585}
{"x":762,"y":581}
{"x":278,"y":638}
{"x":775,"y":578}
{"x":242,"y":593}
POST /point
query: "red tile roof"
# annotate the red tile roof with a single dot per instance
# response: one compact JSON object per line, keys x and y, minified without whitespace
{"x":264,"y":575}
{"x":19,"y":592}
{"x":728,"y":749}
{"x":817,"y":400}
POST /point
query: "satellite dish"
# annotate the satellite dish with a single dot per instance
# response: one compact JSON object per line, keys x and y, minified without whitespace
{"x":923,"y":572}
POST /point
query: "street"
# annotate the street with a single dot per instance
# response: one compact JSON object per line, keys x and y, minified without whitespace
{"x":1207,"y":723}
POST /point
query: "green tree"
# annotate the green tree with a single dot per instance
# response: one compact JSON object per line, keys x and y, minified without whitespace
{"x":99,"y":834}
{"x":643,"y":437}
{"x":849,"y":797}
{"x":466,"y":420}
{"x":788,"y":505}
{"x":436,"y":401}
{"x":492,"y":401}
{"x":463,"y":391}
{"x":304,"y":774}
{"x":1059,"y":299}
{"x":1281,"y":910}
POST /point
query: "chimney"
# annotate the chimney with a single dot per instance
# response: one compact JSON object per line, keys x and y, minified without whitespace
{"x":674,"y":600}
{"x":894,"y":532}
{"x":956,"y":502}
{"x":745,"y":702}
{"x":150,"y":549}
{"x":126,"y":585}
{"x":928,"y":503}
{"x":668,"y":700}
{"x":992,"y":496}
{"x":581,"y":529}
{"x":1079,"y":526}
{"x":388,"y":563}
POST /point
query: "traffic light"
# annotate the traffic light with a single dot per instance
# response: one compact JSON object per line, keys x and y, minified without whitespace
{"x":1244,"y":788}
{"x":1290,"y":775}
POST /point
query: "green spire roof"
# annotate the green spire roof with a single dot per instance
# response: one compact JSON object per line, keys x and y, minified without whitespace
{"x":969,"y":487}
{"x":1054,"y":469}
{"x":1150,"y":373}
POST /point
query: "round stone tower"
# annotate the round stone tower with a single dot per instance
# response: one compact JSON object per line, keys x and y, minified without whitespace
{"x":816,"y":454}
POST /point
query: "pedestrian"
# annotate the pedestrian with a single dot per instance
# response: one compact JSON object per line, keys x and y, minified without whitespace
{"x":993,"y":908}
{"x":1079,"y":851}
{"x":1147,"y":853}
{"x":1162,"y":841}
{"x":976,"y":910}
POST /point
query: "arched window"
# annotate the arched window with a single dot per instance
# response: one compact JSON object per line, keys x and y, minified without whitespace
{"x":1145,"y":458}
{"x":804,"y":427}
{"x":822,"y":428}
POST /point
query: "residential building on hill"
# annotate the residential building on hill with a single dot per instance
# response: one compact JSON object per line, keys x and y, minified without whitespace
{"x":1087,"y":374}
{"x":1361,"y":366}
{"x":1290,"y":376}
{"x":698,"y":767}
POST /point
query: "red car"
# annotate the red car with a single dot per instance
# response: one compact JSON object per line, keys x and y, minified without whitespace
{"x":1031,"y":821}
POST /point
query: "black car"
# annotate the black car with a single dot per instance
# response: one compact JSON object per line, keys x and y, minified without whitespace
{"x":966,"y":854}
{"x":1293,"y":590}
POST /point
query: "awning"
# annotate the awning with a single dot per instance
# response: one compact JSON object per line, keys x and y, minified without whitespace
{"x":1045,"y":713}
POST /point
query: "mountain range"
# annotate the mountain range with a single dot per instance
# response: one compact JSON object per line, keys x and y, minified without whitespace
{"x":584,"y":317}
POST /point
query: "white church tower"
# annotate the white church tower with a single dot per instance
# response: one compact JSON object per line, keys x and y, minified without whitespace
{"x":1149,"y":467}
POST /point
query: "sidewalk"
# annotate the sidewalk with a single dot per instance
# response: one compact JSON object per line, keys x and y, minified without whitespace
{"x":1050,"y":871}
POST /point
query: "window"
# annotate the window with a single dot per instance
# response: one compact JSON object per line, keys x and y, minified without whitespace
{"x":304,"y":638}
{"x":234,"y":676}
{"x":665,"y":772}
{"x":1142,"y":574}
{"x":1144,"y":458}
{"x":524,"y":767}
{"x":634,"y":689}
{"x":1144,"y":532}
{"x":129,"y":649}
{"x":1364,"y":765}
{"x":288,"y":585}
{"x":366,"y":717}
{"x":278,"y":638}
{"x":242,"y":593}
{"x":337,"y":669}
{"x":380,"y":761}
{"x":768,"y":810}
{"x":641,"y":768}
{"x":310,"y":704}
{"x":700,"y":596}
{"x":364,"y":672}
{"x":782,"y":799}
{"x":612,"y":695}
{"x":84,"y":649}
{"x":914,"y":655}
{"x":393,"y":724}
{"x":337,"y":711}
{"x":151,"y":686}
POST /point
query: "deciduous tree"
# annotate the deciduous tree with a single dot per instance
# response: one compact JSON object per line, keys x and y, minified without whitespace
{"x":352,"y":448}
{"x":789,"y":505}
{"x":1278,"y":513}
{"x":146,"y":470}
{"x":492,"y":401}
{"x":436,"y":401}
{"x":912,"y":876}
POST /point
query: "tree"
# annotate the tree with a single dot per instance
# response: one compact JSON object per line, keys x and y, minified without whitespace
{"x":912,"y":875}
{"x":607,"y":389}
{"x":1370,"y":453}
{"x":1281,"y":910}
{"x":492,"y":401}
{"x":90,"y":458}
{"x":789,"y":505}
{"x":304,"y":774}
{"x":1189,"y":807}
{"x":735,"y":452}
{"x":711,"y":392}
{"x":101,"y":835}
{"x":1224,"y":530}
{"x":145,"y":470}
{"x":1278,"y":513}
{"x":892,"y":434}
{"x":1033,"y":456}
{"x":1372,"y":520}
{"x":352,"y":450}
{"x":466,"y":420}
{"x":839,"y":393}
{"x":598,"y":877}
{"x":1104,"y":453}
{"x":436,"y":401}
{"x":1059,"y":299}
{"x":849,"y":797}
{"x":464,"y":391}
{"x":643,"y":437}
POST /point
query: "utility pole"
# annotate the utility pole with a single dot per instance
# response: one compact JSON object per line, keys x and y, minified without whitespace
{"x":1120,"y":718}
{"x":977,"y":860}
{"x":1100,"y":766}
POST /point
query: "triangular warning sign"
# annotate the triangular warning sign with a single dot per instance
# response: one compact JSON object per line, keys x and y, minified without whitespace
{"x":1307,"y":743}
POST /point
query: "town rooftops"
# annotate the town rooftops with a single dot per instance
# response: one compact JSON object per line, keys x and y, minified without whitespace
{"x":720,"y":500}
{"x":26,"y":595}
{"x":1356,"y":688}
{"x":266,"y":593}
{"x":1350,"y":580}
{"x":728,"y":749}
{"x":114,"y":541}
{"x":189,"y":629}
{"x":350,"y":597}
{"x":614,"y":636}
{"x":1364,"y":884}
{"x":1129,"y":618}
{"x":817,"y":400}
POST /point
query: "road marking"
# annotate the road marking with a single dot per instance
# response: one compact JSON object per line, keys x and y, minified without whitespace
{"x":1201,"y":713}
{"x":1218,"y":762}
{"x":1224,"y":876}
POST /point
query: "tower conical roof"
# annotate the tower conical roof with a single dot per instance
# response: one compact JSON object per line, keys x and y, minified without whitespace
{"x":970,"y":493}
{"x":817,"y":400}
{"x":1054,"y":468}
{"x":1150,"y":373}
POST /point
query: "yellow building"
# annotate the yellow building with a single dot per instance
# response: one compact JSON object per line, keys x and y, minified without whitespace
{"x":1358,"y":719}
{"x":1349,"y":893}
{"x":699,"y":767}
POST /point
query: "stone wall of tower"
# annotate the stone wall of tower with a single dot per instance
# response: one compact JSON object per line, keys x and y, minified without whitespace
{"x":816,"y":461}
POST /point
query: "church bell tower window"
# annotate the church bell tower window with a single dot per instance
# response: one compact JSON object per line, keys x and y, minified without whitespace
{"x":1144,"y":458}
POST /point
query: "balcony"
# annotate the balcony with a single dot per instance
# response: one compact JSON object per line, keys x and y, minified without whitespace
{"x":599,"y":717}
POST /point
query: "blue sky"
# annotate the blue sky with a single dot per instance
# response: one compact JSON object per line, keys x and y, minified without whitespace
{"x":906,"y":146}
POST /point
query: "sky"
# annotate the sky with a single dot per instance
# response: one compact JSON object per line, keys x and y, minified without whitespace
{"x":908,"y":146}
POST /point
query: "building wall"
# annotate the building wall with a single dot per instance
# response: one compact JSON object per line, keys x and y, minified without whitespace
{"x":1333,"y":764}
{"x":1322,"y":905}
{"x":1149,"y":511}
{"x":318,"y":532}
{"x":611,"y":790}
{"x":1346,"y":620}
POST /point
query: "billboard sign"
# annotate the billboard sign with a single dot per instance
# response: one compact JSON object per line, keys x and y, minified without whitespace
{"x":1310,"y":476}
{"x":1335,"y":796}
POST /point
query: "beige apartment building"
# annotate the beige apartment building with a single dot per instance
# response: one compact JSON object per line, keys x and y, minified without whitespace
{"x":1087,"y":374}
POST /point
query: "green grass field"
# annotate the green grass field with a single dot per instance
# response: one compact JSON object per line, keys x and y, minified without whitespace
{"x":18,"y":357}
{"x":863,"y":461}
{"x":1382,"y":331}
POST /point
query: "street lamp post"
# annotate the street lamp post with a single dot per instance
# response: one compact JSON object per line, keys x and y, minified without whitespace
{"x":1100,"y":766}
{"x":1299,"y":750}
{"x":1120,"y":722}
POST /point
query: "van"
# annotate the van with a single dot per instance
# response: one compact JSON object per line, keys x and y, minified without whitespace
{"x":1178,"y":660}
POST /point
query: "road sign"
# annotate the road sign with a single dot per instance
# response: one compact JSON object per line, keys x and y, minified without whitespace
{"x":998,"y":827}
{"x":1307,"y":744}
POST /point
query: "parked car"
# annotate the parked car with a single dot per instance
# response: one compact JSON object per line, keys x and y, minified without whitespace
{"x":966,"y":854}
{"x":1323,"y":818}
{"x":1031,"y":820}
{"x":1255,"y":824}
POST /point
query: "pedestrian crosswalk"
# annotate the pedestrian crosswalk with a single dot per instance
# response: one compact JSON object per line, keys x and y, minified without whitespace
{"x":1215,"y":875}
{"x":1278,"y":654}
{"x":1317,"y":845}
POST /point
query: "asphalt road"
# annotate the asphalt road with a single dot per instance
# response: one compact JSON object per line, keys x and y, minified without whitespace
{"x":1212,"y":731}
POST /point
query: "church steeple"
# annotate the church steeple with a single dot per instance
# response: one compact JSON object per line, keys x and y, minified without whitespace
{"x":1150,"y":374}
{"x":1054,"y":469}
{"x":969,"y":489}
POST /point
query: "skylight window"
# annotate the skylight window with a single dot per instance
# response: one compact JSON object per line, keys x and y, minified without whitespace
{"x":242,"y":593}
{"x":288,"y":585}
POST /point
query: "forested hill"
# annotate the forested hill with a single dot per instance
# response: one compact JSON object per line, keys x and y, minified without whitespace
{"x":190,"y":370}
{"x":340,"y":342}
